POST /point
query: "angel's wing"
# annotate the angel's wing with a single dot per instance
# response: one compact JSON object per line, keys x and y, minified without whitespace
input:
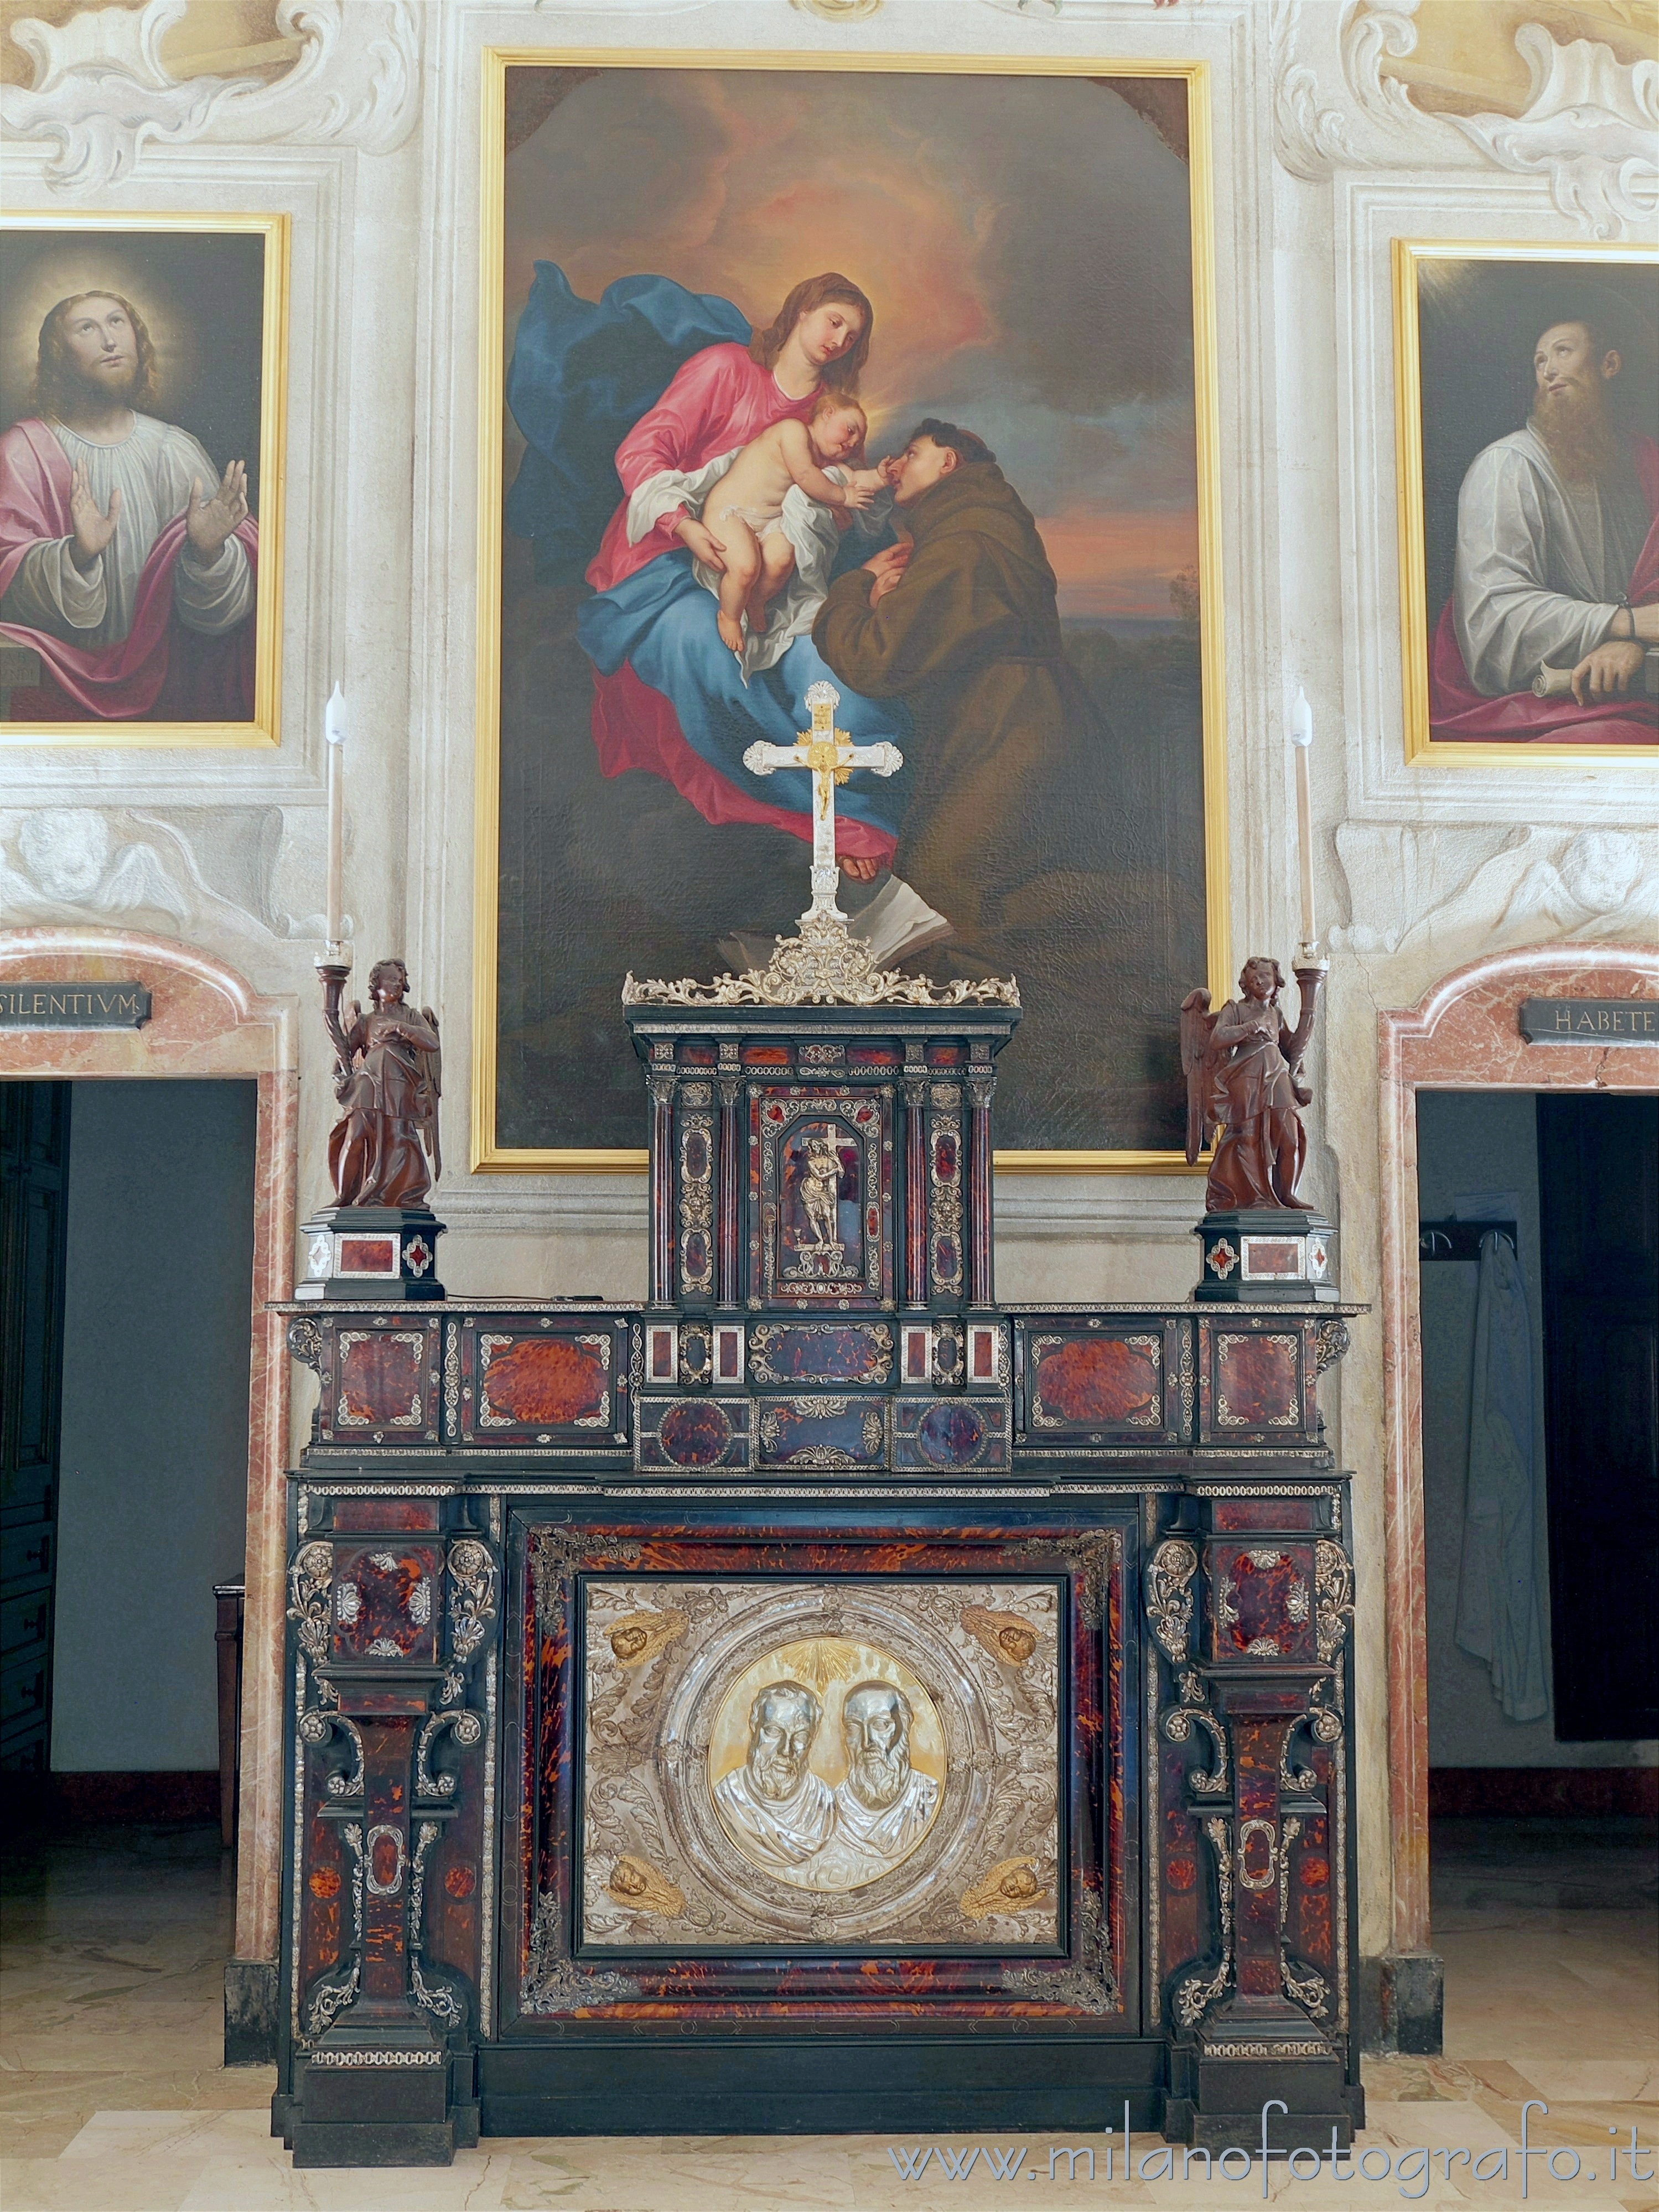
{"x":1197,"y":1055}
{"x":430,"y":1091}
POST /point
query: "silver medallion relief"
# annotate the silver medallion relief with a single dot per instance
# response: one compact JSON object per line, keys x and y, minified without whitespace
{"x":821,"y":1764}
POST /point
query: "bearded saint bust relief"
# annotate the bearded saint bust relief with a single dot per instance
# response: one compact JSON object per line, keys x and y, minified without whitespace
{"x":787,"y":1819}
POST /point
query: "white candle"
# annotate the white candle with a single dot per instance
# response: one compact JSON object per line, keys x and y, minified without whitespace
{"x":334,"y":732}
{"x":1302,"y":738}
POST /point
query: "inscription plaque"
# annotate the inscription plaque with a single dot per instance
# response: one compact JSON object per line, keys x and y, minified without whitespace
{"x":1590,"y":1021}
{"x":71,"y":1006}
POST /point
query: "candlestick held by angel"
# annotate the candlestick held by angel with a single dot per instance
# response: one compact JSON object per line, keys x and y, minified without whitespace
{"x":388,"y":1078}
{"x":1243,"y":1071}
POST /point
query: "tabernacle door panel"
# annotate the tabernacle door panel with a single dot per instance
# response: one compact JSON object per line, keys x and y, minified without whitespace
{"x":821,"y":1173}
{"x":881,"y":1776}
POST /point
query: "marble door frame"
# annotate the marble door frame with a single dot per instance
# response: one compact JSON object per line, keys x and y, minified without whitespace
{"x":1463,"y":1035}
{"x":206,"y":1022}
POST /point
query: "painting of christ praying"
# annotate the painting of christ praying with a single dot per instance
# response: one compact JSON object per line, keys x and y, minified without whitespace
{"x":919,"y":406}
{"x":140,"y":425}
{"x":1528,"y":451}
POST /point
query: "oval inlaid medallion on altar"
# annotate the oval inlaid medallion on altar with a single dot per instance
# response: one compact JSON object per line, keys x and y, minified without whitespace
{"x":695,"y":1433}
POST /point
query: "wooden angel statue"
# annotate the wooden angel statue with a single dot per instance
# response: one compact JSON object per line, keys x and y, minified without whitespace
{"x":388,"y":1079}
{"x":1244,"y":1070}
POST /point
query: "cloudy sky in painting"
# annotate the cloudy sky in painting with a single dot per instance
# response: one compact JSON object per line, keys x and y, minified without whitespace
{"x":1023,"y":240}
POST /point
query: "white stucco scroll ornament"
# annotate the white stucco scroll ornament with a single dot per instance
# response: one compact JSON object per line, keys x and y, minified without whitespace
{"x":1435,"y":894}
{"x":101,"y":91}
{"x":1590,"y":128}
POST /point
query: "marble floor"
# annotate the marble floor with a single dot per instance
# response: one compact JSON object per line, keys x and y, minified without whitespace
{"x":111,"y":2099}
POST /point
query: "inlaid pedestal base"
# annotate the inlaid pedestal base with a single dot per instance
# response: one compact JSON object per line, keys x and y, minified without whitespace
{"x":372,"y":1253}
{"x":1267,"y":1255}
{"x":364,"y":2100}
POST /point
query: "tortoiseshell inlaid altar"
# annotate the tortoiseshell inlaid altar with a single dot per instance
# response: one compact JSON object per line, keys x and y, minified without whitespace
{"x":821,"y":1698}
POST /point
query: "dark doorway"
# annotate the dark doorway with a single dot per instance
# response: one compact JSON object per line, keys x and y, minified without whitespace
{"x":129,"y":1251}
{"x":34,"y":1134}
{"x":1598,"y":1172}
{"x":1539,"y":1289}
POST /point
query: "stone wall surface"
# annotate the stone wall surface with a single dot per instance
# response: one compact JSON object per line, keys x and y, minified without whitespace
{"x":371,"y":143}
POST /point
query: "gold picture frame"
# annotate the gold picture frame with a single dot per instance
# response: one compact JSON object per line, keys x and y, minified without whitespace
{"x":488,"y":1154}
{"x":264,"y":728}
{"x":1410,"y":256}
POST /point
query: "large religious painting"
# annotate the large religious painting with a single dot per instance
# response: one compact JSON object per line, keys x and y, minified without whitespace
{"x":891,"y":378}
{"x":1527,"y":381}
{"x":141,"y":478}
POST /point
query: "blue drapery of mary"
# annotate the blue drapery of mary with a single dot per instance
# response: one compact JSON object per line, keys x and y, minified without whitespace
{"x":582,"y":375}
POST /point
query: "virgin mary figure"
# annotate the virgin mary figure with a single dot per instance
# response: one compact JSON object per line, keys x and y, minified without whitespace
{"x":617,"y":399}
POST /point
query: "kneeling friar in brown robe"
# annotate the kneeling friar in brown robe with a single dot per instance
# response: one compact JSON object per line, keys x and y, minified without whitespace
{"x":963,"y":624}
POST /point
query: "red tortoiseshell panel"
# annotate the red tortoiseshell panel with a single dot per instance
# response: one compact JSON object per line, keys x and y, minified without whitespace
{"x":381,"y":1373}
{"x":1185,"y":1933}
{"x":367,"y":1255}
{"x":324,"y":1892}
{"x":386,"y":1602}
{"x":1310,"y":1915}
{"x":1263,"y":1601}
{"x":1257,"y":1382}
{"x":452,"y":1931}
{"x":373,"y":1516}
{"x":541,"y":1381}
{"x":1100,"y":1382}
{"x":1241,"y":1513}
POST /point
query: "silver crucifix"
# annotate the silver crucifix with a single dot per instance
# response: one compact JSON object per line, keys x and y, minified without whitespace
{"x":832,"y":757}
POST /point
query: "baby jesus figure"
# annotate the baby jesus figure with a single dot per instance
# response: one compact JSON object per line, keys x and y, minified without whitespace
{"x":744,"y":512}
{"x":776,"y":508}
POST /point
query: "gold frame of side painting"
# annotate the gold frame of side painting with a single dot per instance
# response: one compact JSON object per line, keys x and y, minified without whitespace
{"x":489,"y":1156}
{"x":265,"y":727}
{"x":1416,"y":621}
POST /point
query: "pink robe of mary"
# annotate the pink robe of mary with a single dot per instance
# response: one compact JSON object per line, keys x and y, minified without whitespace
{"x":160,"y":669}
{"x":1458,"y":710}
{"x":719,"y":399}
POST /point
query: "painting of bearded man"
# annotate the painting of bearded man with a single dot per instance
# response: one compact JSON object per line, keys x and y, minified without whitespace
{"x":1548,"y":623}
{"x":129,"y":553}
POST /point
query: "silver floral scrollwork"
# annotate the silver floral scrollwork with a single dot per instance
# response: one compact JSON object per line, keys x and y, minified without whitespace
{"x":1333,"y":1598}
{"x":1088,"y":1983}
{"x":334,"y":1991}
{"x":437,"y":1996}
{"x":1197,"y":1992}
{"x":1170,"y":1574}
{"x":305,"y":1342}
{"x":309,"y":1578}
{"x":467,"y":1729}
{"x":315,"y":1727}
{"x":1331,"y":1340}
{"x":1178,"y":1723}
{"x":471,"y":1598}
{"x":1303,"y":1984}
